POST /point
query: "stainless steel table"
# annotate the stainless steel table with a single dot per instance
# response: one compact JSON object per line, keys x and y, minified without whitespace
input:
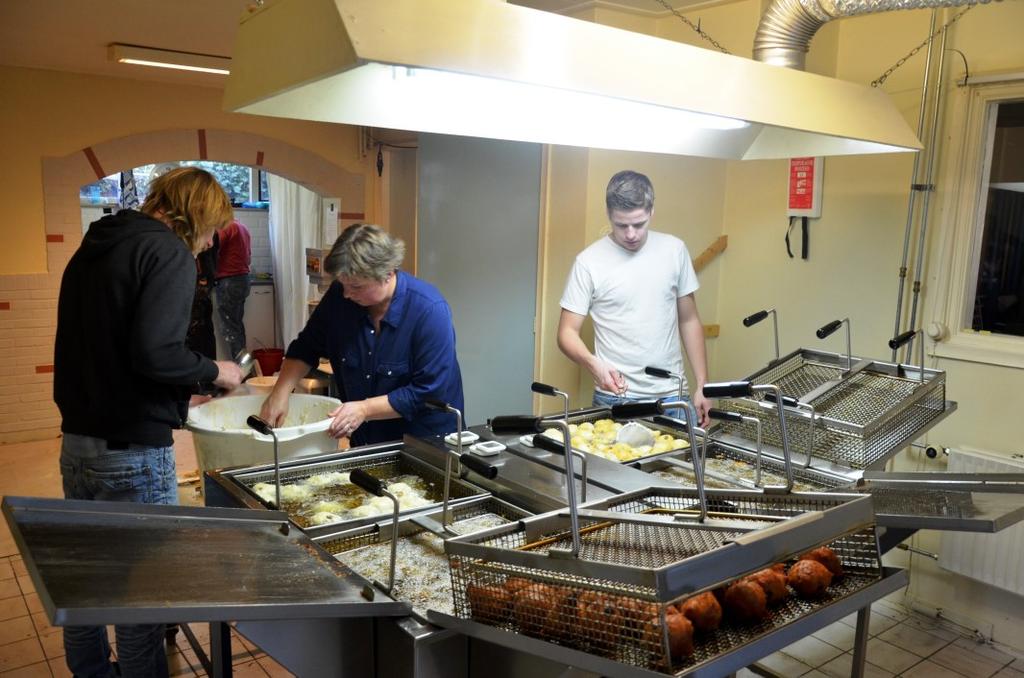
{"x":99,"y":563}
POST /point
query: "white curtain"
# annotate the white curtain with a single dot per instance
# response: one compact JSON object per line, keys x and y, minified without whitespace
{"x":294,"y":226}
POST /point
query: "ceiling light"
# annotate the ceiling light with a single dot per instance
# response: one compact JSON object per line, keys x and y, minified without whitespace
{"x":490,"y":69}
{"x":164,"y":58}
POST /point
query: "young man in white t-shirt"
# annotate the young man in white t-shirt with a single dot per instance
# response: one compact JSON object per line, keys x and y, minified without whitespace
{"x":638,"y":287}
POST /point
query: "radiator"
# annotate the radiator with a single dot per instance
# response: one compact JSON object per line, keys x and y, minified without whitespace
{"x":994,"y":559}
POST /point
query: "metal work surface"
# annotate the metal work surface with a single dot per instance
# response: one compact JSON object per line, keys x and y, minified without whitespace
{"x":110,"y":562}
{"x":717,"y":653}
{"x":935,"y":502}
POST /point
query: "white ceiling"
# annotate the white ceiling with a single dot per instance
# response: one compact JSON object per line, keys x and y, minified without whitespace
{"x":73,"y":35}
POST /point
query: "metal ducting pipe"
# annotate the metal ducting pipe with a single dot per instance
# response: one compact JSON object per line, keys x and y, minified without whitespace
{"x":787,"y":26}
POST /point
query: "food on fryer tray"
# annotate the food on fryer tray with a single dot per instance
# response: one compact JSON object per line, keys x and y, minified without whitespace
{"x":679,"y":631}
{"x":599,"y":621}
{"x":599,"y":438}
{"x":289,"y":493}
{"x":826,"y":557}
{"x":488,"y":603}
{"x":330,"y":497}
{"x":532,"y":606}
{"x":745,"y":601}
{"x":703,"y":611}
{"x":809,"y":578}
{"x":328,"y":479}
{"x":773,"y":582}
{"x":324,"y":517}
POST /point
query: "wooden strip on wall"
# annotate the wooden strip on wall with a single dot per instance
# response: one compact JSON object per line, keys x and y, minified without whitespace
{"x":710,"y":253}
{"x":5,"y":306}
{"x":358,"y":216}
{"x":259,"y":158}
{"x":202,"y":144}
{"x":54,"y":237}
{"x":90,"y":155}
{"x":711,"y":331}
{"x":44,"y":369}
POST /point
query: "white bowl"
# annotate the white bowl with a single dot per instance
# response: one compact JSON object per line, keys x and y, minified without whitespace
{"x":224,"y":440}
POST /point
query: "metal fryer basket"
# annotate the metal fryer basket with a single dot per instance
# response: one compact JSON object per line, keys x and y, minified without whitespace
{"x":806,"y":479}
{"x":626,"y":622}
{"x":424,"y":583}
{"x":861,"y":421}
{"x":381,"y":465}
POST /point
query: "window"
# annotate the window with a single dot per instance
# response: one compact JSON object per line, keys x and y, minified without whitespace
{"x":237,"y":180}
{"x":978,"y":313}
{"x":999,"y":283}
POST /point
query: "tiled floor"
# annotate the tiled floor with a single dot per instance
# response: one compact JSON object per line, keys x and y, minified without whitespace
{"x":902,"y":643}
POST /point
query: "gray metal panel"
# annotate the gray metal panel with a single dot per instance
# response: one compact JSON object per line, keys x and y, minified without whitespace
{"x":98,"y":562}
{"x":479,"y":206}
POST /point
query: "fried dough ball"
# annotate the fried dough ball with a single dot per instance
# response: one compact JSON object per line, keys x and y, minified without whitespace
{"x":599,"y":620}
{"x":561,"y":621}
{"x":745,"y":601}
{"x":773,"y":582}
{"x":532,"y":606}
{"x":826,"y":557}
{"x":488,"y":603}
{"x":703,"y":611}
{"x":636,"y":612}
{"x":680,"y":635}
{"x":516,"y":584}
{"x":809,"y":578}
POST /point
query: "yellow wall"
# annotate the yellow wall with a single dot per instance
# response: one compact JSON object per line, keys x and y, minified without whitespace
{"x":855,"y":247}
{"x":50,"y":113}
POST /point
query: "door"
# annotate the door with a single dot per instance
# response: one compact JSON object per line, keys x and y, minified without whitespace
{"x":478,"y":217}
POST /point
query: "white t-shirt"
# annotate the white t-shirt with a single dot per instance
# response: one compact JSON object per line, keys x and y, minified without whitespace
{"x":631,"y":297}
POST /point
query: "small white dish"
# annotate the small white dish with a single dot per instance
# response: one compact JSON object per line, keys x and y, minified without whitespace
{"x":527,"y":440}
{"x":467,"y":438}
{"x":486,"y":448}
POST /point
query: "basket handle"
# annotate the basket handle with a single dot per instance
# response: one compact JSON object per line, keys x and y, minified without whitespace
{"x":516,"y":423}
{"x":363,"y":480}
{"x":488,"y":471}
{"x":754,"y":318}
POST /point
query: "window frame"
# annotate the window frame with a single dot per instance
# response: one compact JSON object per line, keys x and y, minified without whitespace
{"x":967,"y":180}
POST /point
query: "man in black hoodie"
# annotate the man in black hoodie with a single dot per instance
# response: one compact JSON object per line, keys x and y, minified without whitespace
{"x":123,"y":374}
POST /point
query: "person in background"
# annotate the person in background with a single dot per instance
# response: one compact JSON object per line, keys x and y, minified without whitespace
{"x":233,"y":257}
{"x":123,"y":374}
{"x":200,"y":336}
{"x":637,"y":285}
{"x":390,"y":339}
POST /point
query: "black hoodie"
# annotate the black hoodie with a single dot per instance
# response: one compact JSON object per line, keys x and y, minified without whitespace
{"x":122,"y":371}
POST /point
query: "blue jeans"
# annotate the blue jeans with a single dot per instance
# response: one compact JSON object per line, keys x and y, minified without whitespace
{"x":90,"y":470}
{"x":231,"y":294}
{"x":602,"y":399}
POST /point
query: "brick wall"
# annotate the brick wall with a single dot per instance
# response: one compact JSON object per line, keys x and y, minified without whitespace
{"x":28,"y":303}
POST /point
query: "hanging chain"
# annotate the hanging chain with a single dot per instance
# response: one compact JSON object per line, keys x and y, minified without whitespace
{"x":884,"y":76}
{"x":695,"y":26}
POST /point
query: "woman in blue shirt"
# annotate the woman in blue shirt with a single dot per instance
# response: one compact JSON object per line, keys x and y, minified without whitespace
{"x":390,"y":339}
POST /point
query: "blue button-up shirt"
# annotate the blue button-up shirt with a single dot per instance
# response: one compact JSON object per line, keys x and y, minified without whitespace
{"x":410,"y":359}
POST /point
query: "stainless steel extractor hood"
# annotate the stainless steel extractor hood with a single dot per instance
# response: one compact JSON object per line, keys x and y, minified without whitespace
{"x":485,"y":68}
